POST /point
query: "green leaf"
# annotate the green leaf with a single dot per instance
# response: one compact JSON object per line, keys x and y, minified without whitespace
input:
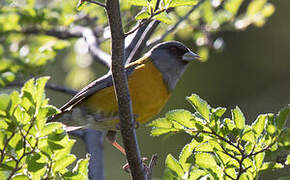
{"x":271,"y":166}
{"x":142,"y":15}
{"x":204,"y":147}
{"x":63,"y":163}
{"x":82,"y":167}
{"x":238,"y":118}
{"x":259,"y":124}
{"x":139,"y":2}
{"x":259,"y":159}
{"x":49,"y":128}
{"x":163,"y":17}
{"x":288,"y":160}
{"x":233,"y":6}
{"x":6,"y":78}
{"x":181,"y":116}
{"x":161,"y":123}
{"x":39,"y":95}
{"x":185,"y":153}
{"x":219,"y":112}
{"x":175,"y":3}
{"x":282,"y":117}
{"x":5,"y":103}
{"x":197,"y":174}
{"x":20,"y":177}
{"x":255,"y":6}
{"x":199,"y":105}
{"x":205,"y":160}
{"x":172,"y":164}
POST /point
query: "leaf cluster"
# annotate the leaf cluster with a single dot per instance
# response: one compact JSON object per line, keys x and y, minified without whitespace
{"x":30,"y":148}
{"x":223,"y":148}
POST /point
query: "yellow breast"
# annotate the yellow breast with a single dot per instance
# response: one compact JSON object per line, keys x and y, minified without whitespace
{"x":148,"y":92}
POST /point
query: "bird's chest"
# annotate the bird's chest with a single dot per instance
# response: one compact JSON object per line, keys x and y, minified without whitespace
{"x":148,"y":92}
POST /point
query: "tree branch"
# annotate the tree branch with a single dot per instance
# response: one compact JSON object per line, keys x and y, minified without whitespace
{"x":121,"y":88}
{"x":98,"y":54}
{"x":175,"y":26}
{"x":97,"y":3}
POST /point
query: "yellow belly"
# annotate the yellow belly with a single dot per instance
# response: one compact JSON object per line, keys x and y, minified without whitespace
{"x":148,"y":92}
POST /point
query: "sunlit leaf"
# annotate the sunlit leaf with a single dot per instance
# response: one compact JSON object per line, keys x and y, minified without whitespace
{"x":259,"y":124}
{"x":163,"y":17}
{"x":142,"y":15}
{"x":282,"y":117}
{"x":172,"y":164}
{"x":175,"y":3}
{"x":238,"y":118}
{"x":139,"y":2}
{"x":200,"y":105}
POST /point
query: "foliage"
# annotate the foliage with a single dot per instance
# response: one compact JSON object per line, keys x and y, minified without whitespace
{"x":223,"y":148}
{"x":31,"y":148}
{"x":38,"y":30}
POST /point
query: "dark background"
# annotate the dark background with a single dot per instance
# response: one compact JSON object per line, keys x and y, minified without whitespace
{"x":252,"y":72}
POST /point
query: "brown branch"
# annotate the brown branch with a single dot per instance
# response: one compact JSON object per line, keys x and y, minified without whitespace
{"x":98,"y":54}
{"x":152,"y":164}
{"x":121,"y":88}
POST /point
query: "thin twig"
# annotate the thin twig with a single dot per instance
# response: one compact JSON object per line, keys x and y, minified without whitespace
{"x":97,"y":3}
{"x":144,"y":22}
{"x":175,"y":26}
{"x":98,"y":54}
{"x":152,"y":164}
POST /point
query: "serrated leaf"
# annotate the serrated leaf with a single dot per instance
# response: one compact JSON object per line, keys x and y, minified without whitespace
{"x":139,"y":2}
{"x":176,"y":3}
{"x":219,"y":111}
{"x":238,"y":118}
{"x":259,"y":124}
{"x":199,"y":105}
{"x":63,"y":163}
{"x":282,"y":117}
{"x":172,"y":164}
{"x":181,"y":116}
{"x":163,"y":17}
{"x":161,"y":123}
{"x":142,"y":15}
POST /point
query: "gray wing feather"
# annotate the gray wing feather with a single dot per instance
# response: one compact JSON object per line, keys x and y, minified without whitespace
{"x":101,"y":83}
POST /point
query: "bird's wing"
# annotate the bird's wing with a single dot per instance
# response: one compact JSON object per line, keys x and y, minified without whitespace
{"x":101,"y":83}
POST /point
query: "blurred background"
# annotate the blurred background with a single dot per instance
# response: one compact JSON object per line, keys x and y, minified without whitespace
{"x":251,"y":70}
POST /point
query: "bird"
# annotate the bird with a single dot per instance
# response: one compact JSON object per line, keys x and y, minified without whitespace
{"x":151,"y":80}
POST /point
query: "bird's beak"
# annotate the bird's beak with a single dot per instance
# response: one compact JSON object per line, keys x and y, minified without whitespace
{"x":190,"y":56}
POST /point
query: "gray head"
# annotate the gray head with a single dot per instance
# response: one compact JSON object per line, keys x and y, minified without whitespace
{"x":171,"y":59}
